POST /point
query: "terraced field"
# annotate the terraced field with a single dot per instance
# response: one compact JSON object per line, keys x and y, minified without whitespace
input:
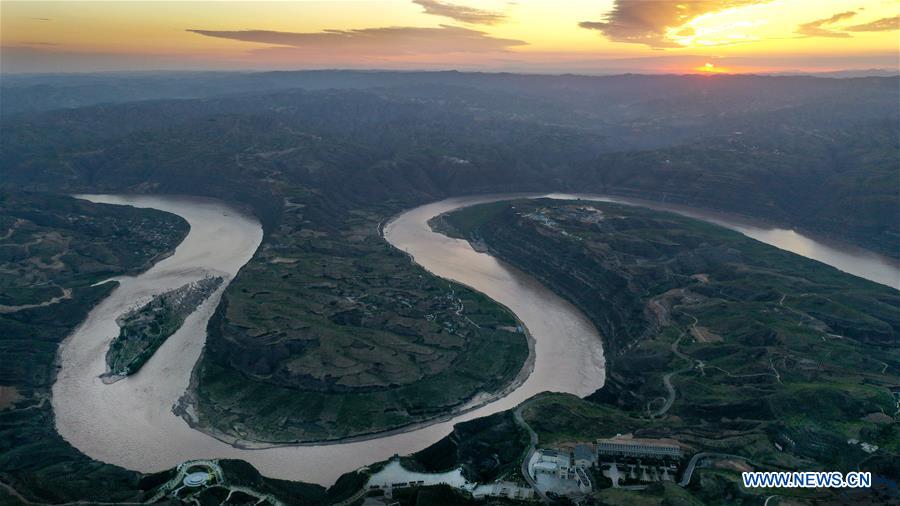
{"x":331,"y":333}
{"x":778,"y":358}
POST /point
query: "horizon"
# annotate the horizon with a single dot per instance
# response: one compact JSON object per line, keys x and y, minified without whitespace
{"x":615,"y":37}
{"x":833,"y":74}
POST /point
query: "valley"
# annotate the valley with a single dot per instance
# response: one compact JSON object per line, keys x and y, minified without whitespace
{"x":345,"y":329}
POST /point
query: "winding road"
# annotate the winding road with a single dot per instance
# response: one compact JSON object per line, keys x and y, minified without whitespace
{"x":689,"y":470}
{"x":667,"y":380}
{"x":532,"y":447}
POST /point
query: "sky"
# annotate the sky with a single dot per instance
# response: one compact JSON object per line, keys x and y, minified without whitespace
{"x":543,"y":36}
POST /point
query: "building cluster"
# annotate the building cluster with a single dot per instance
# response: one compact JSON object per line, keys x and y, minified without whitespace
{"x":565,"y":466}
{"x":627,"y":460}
{"x":566,"y":471}
{"x":625,"y":448}
{"x":585,"y":214}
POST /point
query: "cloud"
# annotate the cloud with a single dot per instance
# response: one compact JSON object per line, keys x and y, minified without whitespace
{"x":398,"y":40}
{"x":824,"y":28}
{"x":648,"y":21}
{"x":818,"y":28}
{"x":881,"y":25}
{"x":461,"y":13}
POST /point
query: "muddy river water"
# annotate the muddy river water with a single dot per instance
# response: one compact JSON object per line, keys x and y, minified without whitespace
{"x":130,"y":423}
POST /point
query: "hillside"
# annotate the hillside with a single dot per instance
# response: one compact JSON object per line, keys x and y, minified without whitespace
{"x":799,"y":151}
{"x":54,"y":249}
{"x":713,"y":339}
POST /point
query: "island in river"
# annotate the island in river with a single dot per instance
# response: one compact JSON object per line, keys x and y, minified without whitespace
{"x":144,"y":329}
{"x":713,"y":339}
{"x":51,"y":246}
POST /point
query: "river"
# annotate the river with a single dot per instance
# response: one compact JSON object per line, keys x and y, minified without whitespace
{"x":130,"y":423}
{"x":846,"y":257}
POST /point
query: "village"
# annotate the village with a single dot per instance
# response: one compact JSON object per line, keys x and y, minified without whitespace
{"x":576,"y":470}
{"x":572,"y":471}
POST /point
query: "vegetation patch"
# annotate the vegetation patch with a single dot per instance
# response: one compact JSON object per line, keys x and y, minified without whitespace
{"x":64,"y":244}
{"x":488,"y":449}
{"x":143,"y":330}
{"x":769,"y":355}
{"x":348,"y":338}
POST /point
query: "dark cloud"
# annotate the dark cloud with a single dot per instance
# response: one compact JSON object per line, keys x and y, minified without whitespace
{"x":820,"y":27}
{"x":461,"y":13}
{"x":647,"y":21}
{"x":41,"y":19}
{"x":398,"y":40}
{"x":881,"y":25}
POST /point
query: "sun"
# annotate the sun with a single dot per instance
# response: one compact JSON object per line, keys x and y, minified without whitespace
{"x":710,"y":68}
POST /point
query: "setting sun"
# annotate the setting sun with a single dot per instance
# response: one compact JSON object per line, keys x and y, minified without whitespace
{"x":578,"y":36}
{"x":709,"y":68}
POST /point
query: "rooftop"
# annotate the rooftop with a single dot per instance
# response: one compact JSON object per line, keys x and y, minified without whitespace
{"x":196,"y":479}
{"x":583,"y":452}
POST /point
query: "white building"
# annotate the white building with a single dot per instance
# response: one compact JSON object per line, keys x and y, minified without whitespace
{"x":626,"y":447}
{"x":555,"y":462}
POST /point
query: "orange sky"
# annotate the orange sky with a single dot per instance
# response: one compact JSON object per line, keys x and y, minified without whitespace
{"x":532,"y":36}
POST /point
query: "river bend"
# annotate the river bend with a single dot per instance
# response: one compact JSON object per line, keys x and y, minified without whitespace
{"x":130,"y":423}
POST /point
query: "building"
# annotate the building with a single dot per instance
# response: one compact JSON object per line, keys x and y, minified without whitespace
{"x":621,"y":447}
{"x":583,"y":480}
{"x":503,"y":489}
{"x":196,"y":479}
{"x":561,"y":471}
{"x":555,"y":462}
{"x":584,"y":456}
